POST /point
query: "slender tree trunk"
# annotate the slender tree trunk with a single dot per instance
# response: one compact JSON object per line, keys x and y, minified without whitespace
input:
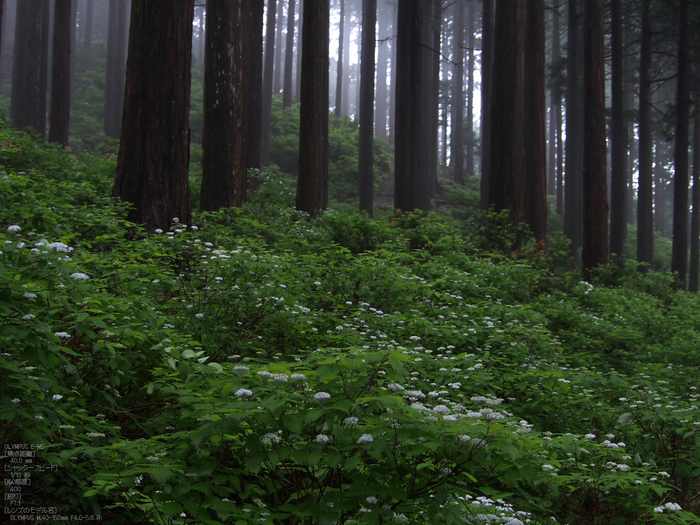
{"x":312,"y":188}
{"x":114,"y":84}
{"x":45,"y":52}
{"x":457,"y":136}
{"x":60,"y":84}
{"x":154,"y":148}
{"x":428,"y":166}
{"x":289,"y":56}
{"x":366,"y":158}
{"x":407,"y":119}
{"x":297,"y":92}
{"x":535,"y":144}
{"x":645,"y":213}
{"x":469,"y":137}
{"x":506,"y":166}
{"x":89,"y":16}
{"x":382,"y":63}
{"x":693,"y":276}
{"x":345,"y":80}
{"x":660,"y":203}
{"x":340,"y":63}
{"x":573,"y":208}
{"x":434,"y":125}
{"x":555,"y":114}
{"x":392,"y":87}
{"x":595,"y":181}
{"x":486,"y":97}
{"x":267,"y":81}
{"x":253,"y":76}
{"x":4,"y":27}
{"x":279,"y":24}
{"x":631,"y":69}
{"x":679,"y":252}
{"x":25,"y":106}
{"x":618,"y":141}
{"x":224,"y":160}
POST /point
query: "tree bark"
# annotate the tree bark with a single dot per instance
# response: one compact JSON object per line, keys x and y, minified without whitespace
{"x":618,"y":140}
{"x":115,"y":68}
{"x":366,"y":154}
{"x":469,"y":137}
{"x":154,"y":148}
{"x":457,"y":135}
{"x":60,"y":84}
{"x":89,"y":16}
{"x":253,"y":28}
{"x":428,"y":158}
{"x":679,"y":251}
{"x":297,"y":91}
{"x":595,"y":187}
{"x":224,"y":160}
{"x":312,"y":187}
{"x":694,"y":269}
{"x":407,"y":112}
{"x":573,"y":207}
{"x":279,"y":24}
{"x":535,"y":143}
{"x":506,"y":151}
{"x":487,"y":52}
{"x":268,"y":71}
{"x":645,"y":205}
{"x":289,"y":56}
{"x":382,"y":63}
{"x":25,"y":106}
{"x":339,"y":63}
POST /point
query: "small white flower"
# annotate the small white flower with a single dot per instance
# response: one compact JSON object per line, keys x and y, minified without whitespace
{"x":38,"y":418}
{"x":243,"y":392}
{"x":547,"y":467}
{"x":60,"y":247}
{"x":15,"y":400}
{"x":351,"y":421}
{"x":199,"y":316}
{"x":158,"y":231}
{"x":463,"y":438}
{"x":317,"y":283}
{"x":57,"y":397}
{"x":322,"y":438}
{"x":13,"y":229}
{"x":371,"y":500}
{"x":28,"y":317}
{"x":322,"y":396}
{"x":659,"y":510}
{"x":271,"y":438}
{"x":62,"y":335}
{"x":29,"y":295}
{"x":365,"y":438}
{"x":590,"y":436}
{"x":673,"y":506}
{"x":298,"y":377}
{"x":176,"y":220}
{"x":79,"y":276}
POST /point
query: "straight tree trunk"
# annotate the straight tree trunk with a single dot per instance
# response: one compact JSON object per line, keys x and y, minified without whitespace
{"x":339,"y":65}
{"x":679,"y":250}
{"x":312,"y":188}
{"x":297,"y":91}
{"x":618,"y":140}
{"x":434,"y":125}
{"x":595,"y":187}
{"x":289,"y":56}
{"x":535,"y":144}
{"x":382,"y":63}
{"x":155,"y":148}
{"x":224,"y":160}
{"x":694,"y":270}
{"x":573,"y":208}
{"x":279,"y":24}
{"x":114,"y":84}
{"x":25,"y":105}
{"x":407,"y":112}
{"x":506,"y":166}
{"x":60,"y":84}
{"x":366,"y":154}
{"x":486,"y":97}
{"x":428,"y":166}
{"x":268,"y":70}
{"x":469,"y":137}
{"x":457,"y":136}
{"x":89,"y":16}
{"x":345,"y":84}
{"x":660,"y":202}
{"x":645,"y":204}
{"x":253,"y":48}
{"x":392,"y":86}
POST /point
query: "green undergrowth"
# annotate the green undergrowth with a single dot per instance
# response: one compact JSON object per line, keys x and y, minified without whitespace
{"x":260,"y":367}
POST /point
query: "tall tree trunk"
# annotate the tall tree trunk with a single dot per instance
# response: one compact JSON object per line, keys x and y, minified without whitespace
{"x":382,"y":63}
{"x":645,"y":205}
{"x":340,"y":63}
{"x":366,"y":158}
{"x":555,"y":109}
{"x":407,"y":119}
{"x":534,"y":117}
{"x":486,"y":97}
{"x":469,"y":137}
{"x":25,"y":106}
{"x":428,"y":165}
{"x":223,"y":159}
{"x":60,"y":85}
{"x":618,"y":141}
{"x":506,"y":166}
{"x":573,"y":208}
{"x":434,"y":125}
{"x":457,"y":135}
{"x":679,"y":251}
{"x":289,"y":56}
{"x":267,"y":81}
{"x":45,"y":52}
{"x":659,"y":189}
{"x":297,"y":91}
{"x":693,"y":276}
{"x":253,"y":28}
{"x":392,"y":86}
{"x":312,"y":187}
{"x":279,"y":23}
{"x":595,"y":173}
{"x":154,"y":150}
{"x":89,"y":16}
{"x":345,"y":80}
{"x":114,"y":84}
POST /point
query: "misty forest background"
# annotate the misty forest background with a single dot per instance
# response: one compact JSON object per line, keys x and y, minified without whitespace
{"x":351,"y":261}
